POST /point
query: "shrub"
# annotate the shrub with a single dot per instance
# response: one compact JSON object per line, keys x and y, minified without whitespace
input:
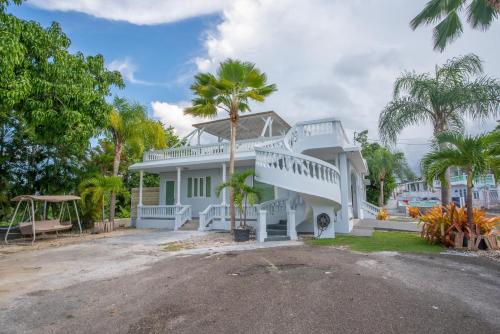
{"x":441,"y":222}
{"x":413,"y":212}
{"x":382,"y":214}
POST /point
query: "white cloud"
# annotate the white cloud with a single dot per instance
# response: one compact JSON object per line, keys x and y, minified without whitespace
{"x":136,"y":12}
{"x":128,"y":69}
{"x":335,"y":58}
{"x":173,"y":115}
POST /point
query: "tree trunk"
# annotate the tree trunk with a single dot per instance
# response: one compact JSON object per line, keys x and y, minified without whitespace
{"x":232,"y":152}
{"x":469,"y":199}
{"x":439,"y":128}
{"x":381,"y":195}
{"x":116,"y":166}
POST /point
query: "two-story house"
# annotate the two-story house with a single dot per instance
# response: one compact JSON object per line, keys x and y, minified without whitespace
{"x":310,"y":175}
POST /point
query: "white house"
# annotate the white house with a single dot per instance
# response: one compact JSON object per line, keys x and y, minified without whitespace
{"x":310,"y":176}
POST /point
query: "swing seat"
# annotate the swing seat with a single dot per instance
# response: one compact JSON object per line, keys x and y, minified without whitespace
{"x":43,"y":226}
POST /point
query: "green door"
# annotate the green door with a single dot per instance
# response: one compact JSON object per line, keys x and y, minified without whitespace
{"x":170,"y":189}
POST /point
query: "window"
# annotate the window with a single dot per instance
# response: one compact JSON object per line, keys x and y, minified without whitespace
{"x":476,"y":194}
{"x":199,"y":187}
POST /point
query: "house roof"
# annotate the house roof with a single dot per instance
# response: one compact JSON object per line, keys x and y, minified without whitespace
{"x":249,"y":126}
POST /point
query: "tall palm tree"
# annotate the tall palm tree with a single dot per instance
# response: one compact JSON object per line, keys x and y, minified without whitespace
{"x":475,"y":155}
{"x":129,"y":125}
{"x":382,"y":163}
{"x":244,"y":194}
{"x":94,"y":190}
{"x":235,"y":84}
{"x":456,"y":90}
{"x":480,"y":15}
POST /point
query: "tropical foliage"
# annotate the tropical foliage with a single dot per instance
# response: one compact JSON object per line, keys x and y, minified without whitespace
{"x":383,"y":214}
{"x":52,"y":101}
{"x":244,"y":194}
{"x":383,"y":166}
{"x":95,"y":193}
{"x":129,"y":128}
{"x":414,"y":212}
{"x":475,"y":155}
{"x":456,"y":90}
{"x":441,"y":223}
{"x":231,"y":89}
{"x":480,"y":15}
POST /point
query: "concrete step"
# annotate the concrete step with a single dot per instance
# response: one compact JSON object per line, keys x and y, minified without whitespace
{"x":277,"y":238}
{"x":276,"y":232}
{"x":276,"y":226}
{"x":190,"y":225}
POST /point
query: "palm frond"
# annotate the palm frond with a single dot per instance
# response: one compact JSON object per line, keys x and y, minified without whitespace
{"x":447,"y":31}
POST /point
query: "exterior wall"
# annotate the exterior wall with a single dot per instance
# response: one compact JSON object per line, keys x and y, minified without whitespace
{"x":197,"y":203}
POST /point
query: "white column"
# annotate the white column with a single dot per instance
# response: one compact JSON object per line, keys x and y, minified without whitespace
{"x":344,"y":224}
{"x":178,"y":186}
{"x":291,"y":230}
{"x":261,"y":233}
{"x":223,"y":180}
{"x":139,"y":206}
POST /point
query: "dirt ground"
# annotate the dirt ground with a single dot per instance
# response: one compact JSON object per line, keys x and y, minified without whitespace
{"x":133,"y":283}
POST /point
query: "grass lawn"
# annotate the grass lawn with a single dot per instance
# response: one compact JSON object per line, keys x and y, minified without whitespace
{"x":405,"y":242}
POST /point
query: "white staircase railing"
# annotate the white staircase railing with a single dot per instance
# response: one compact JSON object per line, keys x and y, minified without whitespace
{"x":297,"y":164}
{"x":182,"y":216}
{"x":369,"y":208}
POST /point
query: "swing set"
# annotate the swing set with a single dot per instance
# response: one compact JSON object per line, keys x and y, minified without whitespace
{"x":57,"y":207}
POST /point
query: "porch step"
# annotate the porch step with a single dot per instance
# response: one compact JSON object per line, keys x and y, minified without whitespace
{"x":190,"y":225}
{"x":277,"y":238}
{"x":275,"y":232}
{"x":277,"y":226}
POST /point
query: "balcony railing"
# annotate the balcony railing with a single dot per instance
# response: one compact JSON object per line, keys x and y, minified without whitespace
{"x":208,"y":149}
{"x":480,"y":181}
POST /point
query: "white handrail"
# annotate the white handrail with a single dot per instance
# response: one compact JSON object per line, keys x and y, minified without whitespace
{"x":182,"y":216}
{"x":297,"y":164}
{"x":373,"y":209}
{"x":159,"y":211}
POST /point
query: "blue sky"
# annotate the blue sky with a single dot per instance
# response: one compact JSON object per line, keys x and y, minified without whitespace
{"x":329,"y":58}
{"x":163,"y":71}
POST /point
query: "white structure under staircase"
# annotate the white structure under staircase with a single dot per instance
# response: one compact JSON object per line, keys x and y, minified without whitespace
{"x":312,"y":173}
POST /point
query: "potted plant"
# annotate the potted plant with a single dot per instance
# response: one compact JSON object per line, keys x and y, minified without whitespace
{"x":244,"y":195}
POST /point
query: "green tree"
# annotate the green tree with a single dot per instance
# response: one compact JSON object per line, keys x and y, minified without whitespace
{"x":52,"y":102}
{"x":480,"y":15}
{"x":396,"y":165}
{"x":475,"y":155}
{"x":244,"y":194}
{"x":129,"y":126}
{"x":95,"y":191}
{"x":231,"y":89}
{"x":456,"y":90}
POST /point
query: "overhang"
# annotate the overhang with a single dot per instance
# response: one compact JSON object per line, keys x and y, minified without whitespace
{"x":249,"y":126}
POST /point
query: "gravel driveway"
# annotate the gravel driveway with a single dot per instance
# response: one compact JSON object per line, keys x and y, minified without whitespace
{"x":298,"y":289}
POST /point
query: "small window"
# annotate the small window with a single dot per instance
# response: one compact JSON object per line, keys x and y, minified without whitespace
{"x":208,"y":186}
{"x":190,"y":187}
{"x":476,"y":195}
{"x":199,"y":186}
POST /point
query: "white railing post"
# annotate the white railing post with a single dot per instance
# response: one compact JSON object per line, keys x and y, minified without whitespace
{"x":261,"y":231}
{"x":290,"y":222}
{"x":202,"y":224}
{"x":178,"y":218}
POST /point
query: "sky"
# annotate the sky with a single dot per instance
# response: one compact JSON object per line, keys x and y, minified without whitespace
{"x":329,"y":58}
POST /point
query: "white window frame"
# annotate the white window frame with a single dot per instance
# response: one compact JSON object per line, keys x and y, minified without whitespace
{"x":198,"y":181}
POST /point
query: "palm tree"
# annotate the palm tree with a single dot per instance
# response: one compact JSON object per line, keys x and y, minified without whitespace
{"x":235,"y":85}
{"x":382,"y":163}
{"x":129,"y":125}
{"x":454,"y":91}
{"x":94,"y":190}
{"x":475,"y":155}
{"x":244,"y":194}
{"x":480,"y":15}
